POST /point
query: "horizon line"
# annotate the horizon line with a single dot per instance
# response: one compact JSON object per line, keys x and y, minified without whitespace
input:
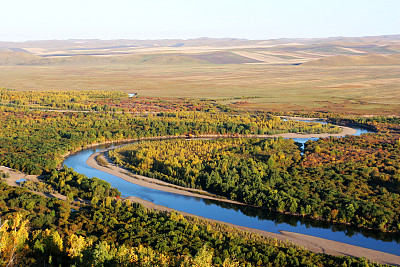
{"x":203,"y":37}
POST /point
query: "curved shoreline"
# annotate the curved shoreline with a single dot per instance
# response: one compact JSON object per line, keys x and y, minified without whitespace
{"x":151,"y":182}
{"x":168,"y":187}
{"x":312,"y":243}
{"x":345,"y":131}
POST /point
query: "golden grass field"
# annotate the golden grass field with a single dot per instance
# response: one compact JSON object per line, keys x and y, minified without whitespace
{"x":356,"y":89}
{"x":350,"y":76}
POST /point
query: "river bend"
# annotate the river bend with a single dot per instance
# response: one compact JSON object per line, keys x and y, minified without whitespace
{"x":241,"y":215}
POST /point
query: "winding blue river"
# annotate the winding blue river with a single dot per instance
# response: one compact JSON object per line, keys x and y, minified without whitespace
{"x":238,"y":214}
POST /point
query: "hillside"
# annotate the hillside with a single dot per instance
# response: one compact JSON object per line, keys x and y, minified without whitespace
{"x":23,"y":58}
{"x":17,"y":58}
{"x":363,"y":81}
{"x":298,"y":50}
{"x":357,"y":60}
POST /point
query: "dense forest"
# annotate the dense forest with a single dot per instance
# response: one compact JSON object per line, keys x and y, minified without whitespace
{"x":73,"y":185}
{"x":33,"y":141}
{"x":354,"y":179}
{"x":105,"y":101}
{"x":113,"y":232}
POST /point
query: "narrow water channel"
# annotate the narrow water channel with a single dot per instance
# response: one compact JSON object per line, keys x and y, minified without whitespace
{"x":240,"y":215}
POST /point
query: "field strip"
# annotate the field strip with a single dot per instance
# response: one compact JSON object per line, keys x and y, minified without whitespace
{"x":353,"y":50}
{"x":260,"y":57}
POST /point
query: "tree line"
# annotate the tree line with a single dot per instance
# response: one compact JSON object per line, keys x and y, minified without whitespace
{"x":34,"y":141}
{"x":114,"y":232}
{"x":353,"y":180}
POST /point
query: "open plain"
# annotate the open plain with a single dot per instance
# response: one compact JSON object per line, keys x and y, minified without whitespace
{"x":60,"y":97}
{"x":349,"y":75}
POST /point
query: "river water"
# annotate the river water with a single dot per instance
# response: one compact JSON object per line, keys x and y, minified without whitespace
{"x":241,"y":215}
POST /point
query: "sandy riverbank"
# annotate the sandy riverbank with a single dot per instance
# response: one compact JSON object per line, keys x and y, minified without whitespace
{"x":345,"y":131}
{"x":167,"y":187}
{"x":315,"y":244}
{"x":150,"y":182}
{"x":312,"y":243}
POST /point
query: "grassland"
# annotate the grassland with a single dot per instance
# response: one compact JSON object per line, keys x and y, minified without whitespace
{"x":358,"y":60}
{"x":354,"y":75}
{"x":354,"y":89}
{"x":249,"y":75}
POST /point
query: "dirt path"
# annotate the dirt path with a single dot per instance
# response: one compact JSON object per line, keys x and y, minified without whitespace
{"x":17,"y":175}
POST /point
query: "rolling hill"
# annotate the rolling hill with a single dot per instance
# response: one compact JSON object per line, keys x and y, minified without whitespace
{"x":357,"y":60}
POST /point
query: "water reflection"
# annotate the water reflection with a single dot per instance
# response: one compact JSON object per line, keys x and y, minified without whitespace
{"x":257,"y":218}
{"x":280,"y":218}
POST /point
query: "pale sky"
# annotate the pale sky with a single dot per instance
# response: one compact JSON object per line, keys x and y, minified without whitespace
{"x":22,"y":20}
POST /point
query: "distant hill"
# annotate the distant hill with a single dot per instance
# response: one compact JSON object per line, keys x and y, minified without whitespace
{"x":294,"y":51}
{"x":79,"y":45}
{"x":169,"y":59}
{"x":358,"y":60}
{"x":17,"y":58}
{"x":224,"y":58}
{"x":94,"y":44}
{"x":22,"y":58}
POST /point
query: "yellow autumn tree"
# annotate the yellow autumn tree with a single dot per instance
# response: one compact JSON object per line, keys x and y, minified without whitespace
{"x":13,"y":234}
{"x":76,"y":245}
{"x":230,"y":263}
{"x":203,"y":258}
